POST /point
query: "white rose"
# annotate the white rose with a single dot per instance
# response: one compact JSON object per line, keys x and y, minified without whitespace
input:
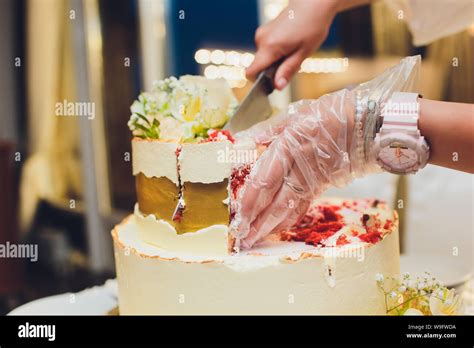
{"x":170,"y":129}
{"x":215,"y":96}
{"x":412,"y":311}
{"x":447,"y":304}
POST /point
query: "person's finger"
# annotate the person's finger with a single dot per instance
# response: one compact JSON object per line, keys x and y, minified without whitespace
{"x":292,"y":219}
{"x":298,"y":186}
{"x":266,"y":55}
{"x":286,"y":208}
{"x":264,"y":182}
{"x":288,"y":68}
{"x":260,"y":188}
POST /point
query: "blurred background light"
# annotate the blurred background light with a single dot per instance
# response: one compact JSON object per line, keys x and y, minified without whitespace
{"x":217,"y":57}
{"x":202,"y":56}
{"x":324,"y":65}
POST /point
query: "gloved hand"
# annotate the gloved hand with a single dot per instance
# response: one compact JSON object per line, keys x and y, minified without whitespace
{"x":314,"y":145}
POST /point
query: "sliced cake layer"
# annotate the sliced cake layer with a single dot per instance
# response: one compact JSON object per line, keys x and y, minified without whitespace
{"x":185,"y":189}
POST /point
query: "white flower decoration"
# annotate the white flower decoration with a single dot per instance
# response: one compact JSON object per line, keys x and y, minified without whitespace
{"x":195,"y":104}
{"x":412,"y":311}
{"x":447,"y":304}
{"x":170,"y":129}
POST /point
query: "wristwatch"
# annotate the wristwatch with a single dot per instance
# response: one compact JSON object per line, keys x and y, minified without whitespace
{"x":399,"y":147}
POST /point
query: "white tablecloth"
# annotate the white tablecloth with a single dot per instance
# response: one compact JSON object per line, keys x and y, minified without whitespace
{"x":98,"y":300}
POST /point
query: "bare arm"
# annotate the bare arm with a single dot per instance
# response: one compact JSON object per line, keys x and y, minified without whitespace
{"x":449,"y":129}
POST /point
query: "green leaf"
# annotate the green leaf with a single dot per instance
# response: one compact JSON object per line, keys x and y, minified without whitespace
{"x":143,"y":118}
{"x":153,"y":133}
{"x":143,"y":128}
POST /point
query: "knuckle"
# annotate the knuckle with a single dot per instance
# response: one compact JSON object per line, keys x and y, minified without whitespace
{"x":271,"y":43}
{"x":259,"y":34}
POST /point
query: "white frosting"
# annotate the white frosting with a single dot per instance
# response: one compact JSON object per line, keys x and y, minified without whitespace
{"x":330,"y":270}
{"x":272,"y":278}
{"x":208,"y":241}
{"x":205,"y":162}
{"x":155,"y":159}
{"x":199,"y":163}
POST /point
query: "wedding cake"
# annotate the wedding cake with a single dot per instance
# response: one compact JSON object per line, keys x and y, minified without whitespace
{"x":177,"y":254}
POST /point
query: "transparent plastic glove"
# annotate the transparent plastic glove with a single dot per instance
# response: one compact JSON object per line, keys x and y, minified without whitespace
{"x":314,"y":145}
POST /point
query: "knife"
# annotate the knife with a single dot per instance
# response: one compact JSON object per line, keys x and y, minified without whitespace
{"x":256,"y":106}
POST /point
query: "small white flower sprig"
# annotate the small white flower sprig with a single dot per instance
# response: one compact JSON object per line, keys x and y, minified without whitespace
{"x":421,"y":296}
{"x":144,"y":121}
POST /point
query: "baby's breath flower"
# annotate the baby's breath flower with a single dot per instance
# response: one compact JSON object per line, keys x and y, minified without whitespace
{"x":424,"y":295}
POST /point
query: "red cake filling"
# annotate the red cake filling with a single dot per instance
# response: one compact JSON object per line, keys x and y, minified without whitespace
{"x":316,"y":226}
{"x":237,"y":180}
{"x":323,"y":221}
{"x":219,"y":135}
{"x":371,"y":237}
{"x":342,"y":240}
{"x":238,"y":177}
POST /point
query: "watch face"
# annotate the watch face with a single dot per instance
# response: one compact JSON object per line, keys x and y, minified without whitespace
{"x":398,"y":157}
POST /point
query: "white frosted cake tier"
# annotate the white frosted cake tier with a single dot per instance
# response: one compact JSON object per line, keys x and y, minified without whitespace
{"x":274,"y":277}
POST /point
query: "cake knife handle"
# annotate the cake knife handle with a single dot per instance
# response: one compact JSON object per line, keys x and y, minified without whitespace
{"x":269,"y":76}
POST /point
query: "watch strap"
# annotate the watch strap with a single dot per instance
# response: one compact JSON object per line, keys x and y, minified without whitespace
{"x":401,"y":112}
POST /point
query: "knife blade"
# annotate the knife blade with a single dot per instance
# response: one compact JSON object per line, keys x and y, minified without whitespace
{"x":255,"y":107}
